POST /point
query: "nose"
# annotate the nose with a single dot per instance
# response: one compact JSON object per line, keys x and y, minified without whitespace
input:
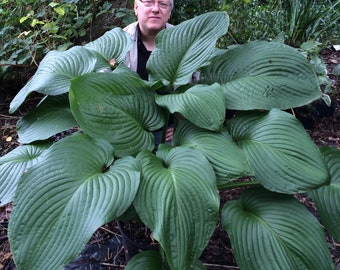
{"x":155,"y":7}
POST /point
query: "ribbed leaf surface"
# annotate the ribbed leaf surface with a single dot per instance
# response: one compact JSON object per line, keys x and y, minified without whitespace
{"x":62,"y":201}
{"x":58,"y":68}
{"x":178,"y":201}
{"x":55,"y":73}
{"x":274,"y":231}
{"x":227,"y":159}
{"x":183,"y":49}
{"x":117,"y":107}
{"x":282,"y":154}
{"x":327,"y":198}
{"x":152,"y":260}
{"x":264,"y":75}
{"x":114,"y":44}
{"x":52,"y":115}
{"x":202,"y":105}
{"x":13,"y":165}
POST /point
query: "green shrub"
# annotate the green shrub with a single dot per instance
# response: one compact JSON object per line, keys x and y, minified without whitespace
{"x":297,"y":21}
{"x":62,"y":192}
{"x":311,"y":20}
{"x":187,"y":9}
{"x":253,"y":20}
{"x":30,"y":29}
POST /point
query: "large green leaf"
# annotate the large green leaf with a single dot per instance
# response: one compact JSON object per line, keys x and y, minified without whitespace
{"x":63,"y":199}
{"x":117,"y":107}
{"x":281,"y":152}
{"x":52,"y":115}
{"x":327,"y":198}
{"x":228,"y":161}
{"x":203,"y":105}
{"x":264,"y":75}
{"x":146,"y":260}
{"x":114,"y":44}
{"x":13,"y":165}
{"x":58,"y":68}
{"x":152,"y":260}
{"x":274,"y":231}
{"x":178,"y":201}
{"x":183,"y":49}
{"x":55,"y":73}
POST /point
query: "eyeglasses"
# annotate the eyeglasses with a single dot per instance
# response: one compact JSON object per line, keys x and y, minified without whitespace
{"x":162,"y":5}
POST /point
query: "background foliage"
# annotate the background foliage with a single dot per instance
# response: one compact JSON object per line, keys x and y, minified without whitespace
{"x":30,"y":29}
{"x":295,"y":21}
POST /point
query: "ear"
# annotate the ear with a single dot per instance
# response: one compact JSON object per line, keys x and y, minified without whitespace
{"x":169,"y":16}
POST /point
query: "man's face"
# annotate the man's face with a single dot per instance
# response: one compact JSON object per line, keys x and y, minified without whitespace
{"x":152,"y":15}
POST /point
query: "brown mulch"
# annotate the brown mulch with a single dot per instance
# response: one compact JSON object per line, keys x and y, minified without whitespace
{"x":323,"y":127}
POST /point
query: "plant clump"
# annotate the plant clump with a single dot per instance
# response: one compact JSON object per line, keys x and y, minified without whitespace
{"x":62,"y":194}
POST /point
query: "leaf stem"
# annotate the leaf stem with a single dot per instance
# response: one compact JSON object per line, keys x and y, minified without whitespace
{"x":165,"y":127}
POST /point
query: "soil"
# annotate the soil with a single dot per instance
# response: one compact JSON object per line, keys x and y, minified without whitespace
{"x":106,"y":248}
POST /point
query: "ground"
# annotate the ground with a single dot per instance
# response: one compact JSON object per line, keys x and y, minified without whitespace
{"x":105,"y":250}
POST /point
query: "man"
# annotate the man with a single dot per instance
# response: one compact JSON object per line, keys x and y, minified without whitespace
{"x":152,"y":17}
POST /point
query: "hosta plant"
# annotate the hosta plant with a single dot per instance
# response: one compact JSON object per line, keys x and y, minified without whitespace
{"x":62,"y":192}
